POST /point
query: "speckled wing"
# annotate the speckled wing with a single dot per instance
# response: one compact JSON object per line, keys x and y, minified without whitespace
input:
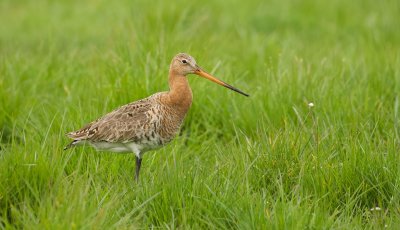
{"x":124,"y":124}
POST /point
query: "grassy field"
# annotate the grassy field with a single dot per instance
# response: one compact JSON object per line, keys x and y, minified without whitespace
{"x":264,"y":162}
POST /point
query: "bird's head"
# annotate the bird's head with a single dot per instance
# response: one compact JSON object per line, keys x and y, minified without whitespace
{"x":184,"y":64}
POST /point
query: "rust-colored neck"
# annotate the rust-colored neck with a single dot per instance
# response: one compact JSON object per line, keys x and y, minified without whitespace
{"x":180,"y":94}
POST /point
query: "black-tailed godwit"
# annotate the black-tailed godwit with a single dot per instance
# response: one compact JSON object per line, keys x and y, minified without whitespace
{"x":149,"y":123}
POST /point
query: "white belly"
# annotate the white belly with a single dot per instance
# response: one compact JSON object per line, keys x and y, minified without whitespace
{"x":129,"y":147}
{"x":112,"y":147}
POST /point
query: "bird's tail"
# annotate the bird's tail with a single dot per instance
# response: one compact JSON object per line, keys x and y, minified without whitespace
{"x":72,"y":144}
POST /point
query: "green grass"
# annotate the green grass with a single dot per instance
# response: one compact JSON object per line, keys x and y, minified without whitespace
{"x":263,"y":162}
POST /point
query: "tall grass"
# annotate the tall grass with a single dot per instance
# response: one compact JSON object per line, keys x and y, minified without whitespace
{"x":269,"y":161}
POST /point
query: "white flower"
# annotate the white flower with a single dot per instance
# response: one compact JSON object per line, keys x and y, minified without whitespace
{"x":375,"y":209}
{"x":310,"y":105}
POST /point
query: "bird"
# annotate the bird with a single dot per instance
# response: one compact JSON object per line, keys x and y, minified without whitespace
{"x":149,"y":123}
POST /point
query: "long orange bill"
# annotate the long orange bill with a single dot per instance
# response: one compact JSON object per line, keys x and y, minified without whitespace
{"x":208,"y":76}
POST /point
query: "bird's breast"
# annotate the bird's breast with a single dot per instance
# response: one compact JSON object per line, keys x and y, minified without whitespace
{"x":170,"y":123}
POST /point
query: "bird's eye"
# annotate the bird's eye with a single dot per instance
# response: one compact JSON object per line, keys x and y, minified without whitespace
{"x":184,"y":61}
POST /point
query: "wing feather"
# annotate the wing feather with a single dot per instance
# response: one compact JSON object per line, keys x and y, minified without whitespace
{"x":126,"y":123}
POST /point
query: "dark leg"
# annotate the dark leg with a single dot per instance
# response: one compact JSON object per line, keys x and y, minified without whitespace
{"x":138,"y":164}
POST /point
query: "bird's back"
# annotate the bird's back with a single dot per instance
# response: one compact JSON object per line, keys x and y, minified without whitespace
{"x":145,"y":124}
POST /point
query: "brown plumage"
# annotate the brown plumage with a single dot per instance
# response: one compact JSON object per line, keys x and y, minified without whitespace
{"x":149,"y":123}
